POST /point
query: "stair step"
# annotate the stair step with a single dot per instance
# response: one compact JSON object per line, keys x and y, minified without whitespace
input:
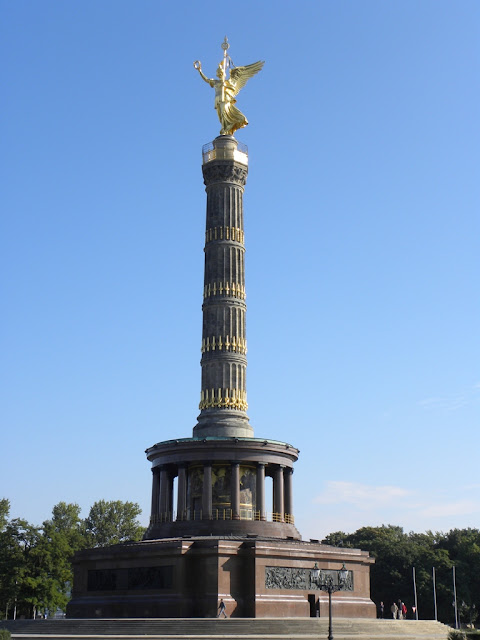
{"x":231,"y":628}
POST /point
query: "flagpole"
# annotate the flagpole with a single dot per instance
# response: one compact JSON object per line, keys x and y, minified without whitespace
{"x":455,"y":598}
{"x":415,"y":591}
{"x":434,"y":592}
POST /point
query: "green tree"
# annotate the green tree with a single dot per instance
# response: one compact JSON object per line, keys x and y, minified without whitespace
{"x":52,"y":574}
{"x":35,"y":562}
{"x":4,"y":577}
{"x":113,"y":522}
{"x":35,"y":568}
{"x":391,"y":575}
{"x":4,"y":512}
{"x":463,"y":548}
{"x":17,"y":541}
{"x":396,"y":553}
{"x":66,"y":521}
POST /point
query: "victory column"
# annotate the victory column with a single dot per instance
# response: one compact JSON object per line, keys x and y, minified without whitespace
{"x":221,"y":470}
{"x":210,"y":535}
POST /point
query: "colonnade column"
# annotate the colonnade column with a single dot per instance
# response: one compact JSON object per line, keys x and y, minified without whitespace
{"x":235,"y":491}
{"x":170,"y":494}
{"x":278,"y":493}
{"x":207,"y":490}
{"x":181,"y":492}
{"x":155,"y":492}
{"x":162,"y":499}
{"x":166,"y":492}
{"x":288,"y":497}
{"x":260,"y":506}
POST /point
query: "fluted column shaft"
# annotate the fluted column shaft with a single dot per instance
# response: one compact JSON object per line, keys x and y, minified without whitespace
{"x":223,"y":397}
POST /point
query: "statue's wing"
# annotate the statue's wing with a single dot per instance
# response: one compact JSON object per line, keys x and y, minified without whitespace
{"x":240,"y":75}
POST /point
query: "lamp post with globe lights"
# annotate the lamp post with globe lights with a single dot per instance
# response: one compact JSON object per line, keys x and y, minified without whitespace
{"x":326,"y":583}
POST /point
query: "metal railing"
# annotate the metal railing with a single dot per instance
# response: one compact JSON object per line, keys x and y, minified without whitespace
{"x":210,"y":152}
{"x":220,"y":514}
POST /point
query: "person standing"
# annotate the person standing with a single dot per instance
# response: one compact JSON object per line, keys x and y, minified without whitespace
{"x":394,"y":610}
{"x":381,"y":609}
{"x":400,"y":612}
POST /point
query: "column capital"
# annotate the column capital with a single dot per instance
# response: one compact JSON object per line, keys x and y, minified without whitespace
{"x":225,"y":171}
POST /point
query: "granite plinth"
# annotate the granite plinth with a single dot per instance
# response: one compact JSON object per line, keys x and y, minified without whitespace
{"x":185,"y":578}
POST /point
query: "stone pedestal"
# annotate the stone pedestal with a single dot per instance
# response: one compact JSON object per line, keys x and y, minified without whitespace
{"x":185,"y":578}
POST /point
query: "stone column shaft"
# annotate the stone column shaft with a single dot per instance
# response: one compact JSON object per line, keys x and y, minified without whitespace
{"x":181,"y":492}
{"x":163,"y":507}
{"x":223,"y":397}
{"x":155,"y":491}
{"x":278,"y":492}
{"x":288,"y":489}
{"x":170,"y":493}
{"x":260,"y":507}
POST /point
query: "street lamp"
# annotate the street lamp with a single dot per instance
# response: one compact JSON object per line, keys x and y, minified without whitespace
{"x":327,"y":584}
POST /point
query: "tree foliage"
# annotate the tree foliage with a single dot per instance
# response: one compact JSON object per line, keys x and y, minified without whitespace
{"x":35,"y":568}
{"x":113,"y":522}
{"x":396,"y":555}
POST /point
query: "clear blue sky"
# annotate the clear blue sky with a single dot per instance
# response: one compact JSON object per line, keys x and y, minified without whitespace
{"x":362,"y":234}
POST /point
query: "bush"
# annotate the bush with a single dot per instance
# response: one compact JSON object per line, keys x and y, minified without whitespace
{"x":5,"y":634}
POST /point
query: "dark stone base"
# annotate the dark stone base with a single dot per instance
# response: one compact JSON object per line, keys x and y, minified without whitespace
{"x":222,"y":528}
{"x":185,"y":578}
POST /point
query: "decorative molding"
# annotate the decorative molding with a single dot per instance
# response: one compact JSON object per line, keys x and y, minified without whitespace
{"x":292,"y":578}
{"x":223,"y":399}
{"x":225,"y":233}
{"x":221,"y":343}
{"x":233,"y":289}
{"x":287,"y":578}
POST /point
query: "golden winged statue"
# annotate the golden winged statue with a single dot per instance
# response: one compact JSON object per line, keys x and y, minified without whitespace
{"x":230,"y":117}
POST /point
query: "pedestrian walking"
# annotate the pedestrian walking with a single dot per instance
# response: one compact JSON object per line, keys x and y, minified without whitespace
{"x":222,"y":609}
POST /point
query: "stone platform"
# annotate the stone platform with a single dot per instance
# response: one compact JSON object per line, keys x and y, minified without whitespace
{"x":186,"y":577}
{"x":202,"y":629}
